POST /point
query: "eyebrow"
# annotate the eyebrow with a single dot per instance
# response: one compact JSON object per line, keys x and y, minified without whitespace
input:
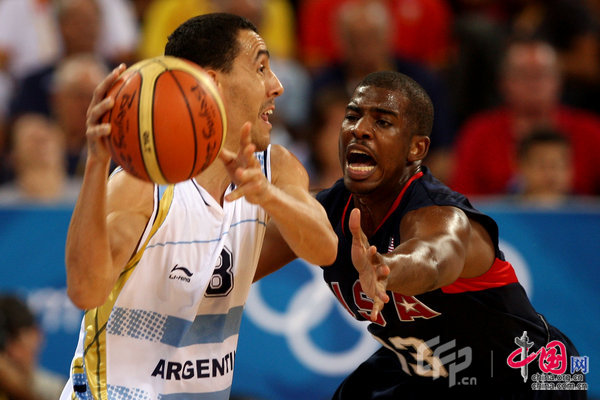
{"x":379,"y":110}
{"x":262,"y":52}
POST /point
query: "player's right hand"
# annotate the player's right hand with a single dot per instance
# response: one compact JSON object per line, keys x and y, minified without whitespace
{"x":372,"y":271}
{"x":97,"y":132}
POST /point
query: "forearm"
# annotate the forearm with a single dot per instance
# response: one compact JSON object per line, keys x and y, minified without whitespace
{"x":87,"y":252}
{"x":303,"y":224}
{"x":418,"y":267}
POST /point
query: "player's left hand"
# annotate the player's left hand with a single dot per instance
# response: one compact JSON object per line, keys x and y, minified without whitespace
{"x":372,"y":271}
{"x":245,"y":171}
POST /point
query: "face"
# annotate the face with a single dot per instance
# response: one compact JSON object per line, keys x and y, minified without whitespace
{"x":80,"y":27}
{"x":24,"y":349}
{"x":547,"y":169}
{"x":376,"y":147}
{"x":365,"y":36}
{"x":249,"y":91}
{"x":70,"y":101}
{"x":531,"y":81}
{"x":39,"y":144}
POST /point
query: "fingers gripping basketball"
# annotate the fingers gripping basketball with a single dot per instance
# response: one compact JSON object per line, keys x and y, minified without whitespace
{"x":168,"y":123}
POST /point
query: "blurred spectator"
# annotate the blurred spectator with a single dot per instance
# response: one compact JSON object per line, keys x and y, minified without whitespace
{"x":572,"y":28}
{"x":479,"y":30}
{"x":28,"y":40}
{"x":365,"y":32}
{"x":486,"y":148}
{"x":64,"y":95}
{"x":80,"y":23}
{"x":119,"y":31}
{"x":422,"y":31}
{"x":21,"y":378}
{"x":329,"y":109}
{"x":544,"y":172}
{"x":38,"y":156}
{"x":481,"y":27}
{"x":275,"y":18}
{"x":28,"y":35}
{"x":73,"y":85}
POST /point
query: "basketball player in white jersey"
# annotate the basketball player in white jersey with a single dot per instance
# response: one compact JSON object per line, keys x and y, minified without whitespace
{"x":164,"y":272}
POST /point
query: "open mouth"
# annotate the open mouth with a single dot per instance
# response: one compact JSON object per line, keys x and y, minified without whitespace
{"x":265,"y":115}
{"x":359,"y":163}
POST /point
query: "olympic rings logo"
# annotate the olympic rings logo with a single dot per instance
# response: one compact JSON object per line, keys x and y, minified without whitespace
{"x":309,"y":307}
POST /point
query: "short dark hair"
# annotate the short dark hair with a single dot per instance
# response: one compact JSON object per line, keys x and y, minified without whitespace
{"x":418,"y":109}
{"x":209,"y":40}
{"x":15,"y":315}
{"x":541,"y":135}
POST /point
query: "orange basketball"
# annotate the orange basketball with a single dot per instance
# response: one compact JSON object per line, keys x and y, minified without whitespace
{"x":168,"y":121}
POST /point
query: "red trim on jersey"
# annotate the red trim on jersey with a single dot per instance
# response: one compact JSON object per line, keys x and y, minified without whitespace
{"x":501,"y":273}
{"x":392,"y":208}
{"x":344,"y":215}
{"x":399,"y":198}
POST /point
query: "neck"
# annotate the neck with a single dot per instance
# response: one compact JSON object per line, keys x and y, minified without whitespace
{"x":215,"y":180}
{"x":375,"y":206}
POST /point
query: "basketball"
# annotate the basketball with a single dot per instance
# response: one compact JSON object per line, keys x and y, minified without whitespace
{"x":168,"y":121}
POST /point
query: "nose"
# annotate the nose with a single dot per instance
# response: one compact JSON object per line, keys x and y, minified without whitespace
{"x":275,"y":86}
{"x":362,"y":128}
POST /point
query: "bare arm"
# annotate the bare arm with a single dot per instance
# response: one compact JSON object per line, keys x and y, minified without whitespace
{"x":108,"y":218}
{"x":275,"y":253}
{"x":298,"y":217}
{"x":438,"y":246}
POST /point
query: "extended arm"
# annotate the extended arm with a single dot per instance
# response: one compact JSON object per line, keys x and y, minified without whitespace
{"x":439,"y":244}
{"x":108,"y":219}
{"x":298,"y":216}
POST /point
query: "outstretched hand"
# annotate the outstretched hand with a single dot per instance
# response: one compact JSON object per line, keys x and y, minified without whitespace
{"x":372,"y":271}
{"x":245,"y":171}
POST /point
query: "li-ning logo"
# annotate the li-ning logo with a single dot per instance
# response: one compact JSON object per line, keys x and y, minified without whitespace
{"x":173,"y":274}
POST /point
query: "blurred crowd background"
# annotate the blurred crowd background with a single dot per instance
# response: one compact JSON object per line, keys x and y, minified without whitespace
{"x":515,"y":85}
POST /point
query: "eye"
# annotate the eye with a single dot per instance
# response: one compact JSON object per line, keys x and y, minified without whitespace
{"x":383,"y":123}
{"x":351,"y":117}
{"x":262,"y":69}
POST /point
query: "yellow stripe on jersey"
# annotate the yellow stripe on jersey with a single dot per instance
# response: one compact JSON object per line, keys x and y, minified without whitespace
{"x":95,"y":320}
{"x":145,"y":120}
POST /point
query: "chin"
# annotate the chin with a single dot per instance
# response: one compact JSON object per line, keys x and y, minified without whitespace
{"x":358,"y":187}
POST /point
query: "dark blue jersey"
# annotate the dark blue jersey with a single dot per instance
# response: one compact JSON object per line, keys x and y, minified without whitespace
{"x":464,"y":332}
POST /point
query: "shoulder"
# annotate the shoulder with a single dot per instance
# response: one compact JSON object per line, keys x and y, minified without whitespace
{"x":334,"y":200}
{"x":128,"y":193}
{"x":285,"y":165}
{"x":580,"y":118}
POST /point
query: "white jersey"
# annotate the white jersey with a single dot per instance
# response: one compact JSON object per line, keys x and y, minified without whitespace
{"x":169,"y":329}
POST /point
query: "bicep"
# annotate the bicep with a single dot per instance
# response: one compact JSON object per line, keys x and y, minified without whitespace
{"x":289,"y":174}
{"x":442,"y":235}
{"x":275,"y":253}
{"x":130,"y":204}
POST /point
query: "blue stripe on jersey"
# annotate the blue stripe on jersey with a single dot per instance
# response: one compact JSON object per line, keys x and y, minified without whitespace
{"x":122,"y":393}
{"x":162,"y":244}
{"x":161,"y":190}
{"x":174,"y":331}
{"x":221,"y":395}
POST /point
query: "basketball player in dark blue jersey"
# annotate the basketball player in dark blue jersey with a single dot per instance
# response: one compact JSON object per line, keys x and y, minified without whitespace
{"x":423,"y":265}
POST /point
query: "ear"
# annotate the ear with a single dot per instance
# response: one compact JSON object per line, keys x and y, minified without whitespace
{"x":216,"y":77}
{"x":419,"y":146}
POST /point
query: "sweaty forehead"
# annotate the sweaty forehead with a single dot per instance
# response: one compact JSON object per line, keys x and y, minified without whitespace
{"x":251,"y":43}
{"x":376,"y":97}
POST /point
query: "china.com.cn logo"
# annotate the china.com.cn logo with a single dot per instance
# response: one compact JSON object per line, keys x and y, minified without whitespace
{"x":552,"y":361}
